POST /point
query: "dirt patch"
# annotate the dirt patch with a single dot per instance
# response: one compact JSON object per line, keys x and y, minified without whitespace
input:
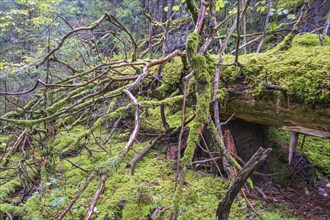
{"x":311,"y":202}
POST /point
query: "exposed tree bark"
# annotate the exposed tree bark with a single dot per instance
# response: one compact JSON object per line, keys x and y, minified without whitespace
{"x":225,"y":206}
{"x":230,"y":146}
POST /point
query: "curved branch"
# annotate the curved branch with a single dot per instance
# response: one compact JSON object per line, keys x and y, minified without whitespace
{"x":23,"y":92}
{"x":60,"y":44}
{"x":136,"y":119}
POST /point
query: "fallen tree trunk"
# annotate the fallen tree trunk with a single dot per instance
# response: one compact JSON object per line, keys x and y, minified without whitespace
{"x":296,"y":117}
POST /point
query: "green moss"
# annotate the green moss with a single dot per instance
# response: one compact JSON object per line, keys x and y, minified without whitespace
{"x":309,"y":40}
{"x":3,"y":141}
{"x":292,"y":4}
{"x":64,"y":139}
{"x":203,"y":88}
{"x":302,"y":71}
{"x":167,"y":101}
{"x":8,"y":188}
{"x":31,"y":212}
{"x":171,"y":79}
{"x":192,"y":45}
{"x":15,"y":210}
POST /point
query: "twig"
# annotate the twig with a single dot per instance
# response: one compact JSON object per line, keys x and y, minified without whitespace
{"x":112,"y":131}
{"x":237,"y":31}
{"x":185,"y":81}
{"x":96,"y":198}
{"x":273,"y":87}
{"x":206,"y":160}
{"x":249,"y":204}
{"x":228,"y":120}
{"x":136,"y":119}
{"x":136,"y":159}
{"x":76,"y":197}
{"x":214,"y":161}
{"x":60,"y":44}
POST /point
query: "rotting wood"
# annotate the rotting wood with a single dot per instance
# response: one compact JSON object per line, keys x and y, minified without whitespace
{"x":294,"y":117}
{"x":229,"y":144}
{"x":293,"y":144}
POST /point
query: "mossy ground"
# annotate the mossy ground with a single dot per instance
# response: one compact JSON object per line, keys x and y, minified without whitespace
{"x":127,"y":195}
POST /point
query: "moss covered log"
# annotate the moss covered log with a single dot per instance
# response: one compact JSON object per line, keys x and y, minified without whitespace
{"x":303,"y":74}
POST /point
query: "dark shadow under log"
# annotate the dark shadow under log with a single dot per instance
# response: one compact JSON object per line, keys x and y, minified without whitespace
{"x":225,"y":205}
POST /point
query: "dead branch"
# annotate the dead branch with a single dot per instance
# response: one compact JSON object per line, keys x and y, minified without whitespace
{"x":137,"y":158}
{"x":136,"y":119}
{"x":63,"y":213}
{"x":266,"y":26}
{"x":326,"y":28}
{"x":112,"y":131}
{"x":60,"y":44}
{"x":225,"y":205}
{"x":200,"y":18}
{"x":96,"y":197}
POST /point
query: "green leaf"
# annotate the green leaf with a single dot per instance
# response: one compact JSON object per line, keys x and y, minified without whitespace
{"x":272,"y":26}
{"x":176,"y":8}
{"x":166,"y":9}
{"x":220,"y":4}
{"x":291,"y":16}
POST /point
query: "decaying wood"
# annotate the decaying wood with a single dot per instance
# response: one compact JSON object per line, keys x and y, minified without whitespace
{"x":230,"y":145}
{"x":225,"y":205}
{"x":293,"y":117}
{"x":293,"y":144}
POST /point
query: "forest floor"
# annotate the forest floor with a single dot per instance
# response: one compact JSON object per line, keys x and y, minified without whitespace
{"x":306,"y":202}
{"x":149,"y":189}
